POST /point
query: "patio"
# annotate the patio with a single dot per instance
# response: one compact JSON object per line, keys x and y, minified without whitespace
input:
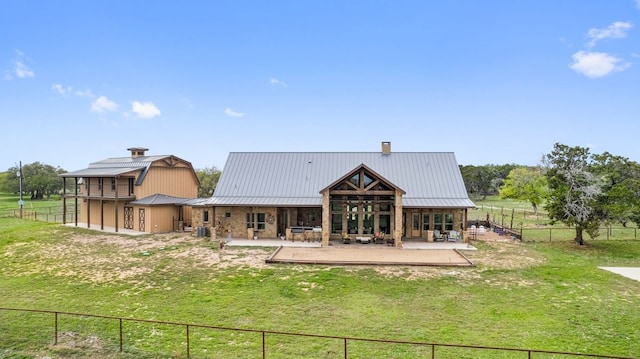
{"x":413,"y":253}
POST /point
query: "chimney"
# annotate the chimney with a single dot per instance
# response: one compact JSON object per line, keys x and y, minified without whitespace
{"x":137,"y":151}
{"x":386,"y":147}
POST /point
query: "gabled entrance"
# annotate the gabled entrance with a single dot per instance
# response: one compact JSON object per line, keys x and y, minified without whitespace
{"x":361,"y":203}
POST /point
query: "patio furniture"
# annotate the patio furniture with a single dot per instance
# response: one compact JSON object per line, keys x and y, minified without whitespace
{"x":453,"y":236}
{"x":363,"y":240}
{"x":437,"y":236}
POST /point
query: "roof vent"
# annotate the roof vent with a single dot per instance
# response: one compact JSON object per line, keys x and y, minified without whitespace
{"x":137,"y":151}
{"x":386,"y":147}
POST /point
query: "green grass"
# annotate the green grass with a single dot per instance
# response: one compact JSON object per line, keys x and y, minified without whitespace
{"x":48,"y":210}
{"x":547,"y":296}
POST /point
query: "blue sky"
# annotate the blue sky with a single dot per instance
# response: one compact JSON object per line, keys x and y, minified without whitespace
{"x":496,"y":82}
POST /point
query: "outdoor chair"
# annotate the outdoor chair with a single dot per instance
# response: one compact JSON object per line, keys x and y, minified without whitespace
{"x":453,"y":236}
{"x":437,"y":236}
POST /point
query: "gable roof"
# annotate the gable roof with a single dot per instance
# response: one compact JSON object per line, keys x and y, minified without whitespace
{"x":356,"y":170}
{"x":112,"y":167}
{"x":429,"y":179}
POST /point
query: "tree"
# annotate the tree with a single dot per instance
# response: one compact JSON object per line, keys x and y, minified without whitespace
{"x":621,"y":182}
{"x":38,"y":180}
{"x":527,"y":184}
{"x":208,"y":178}
{"x":574,"y":190}
{"x":483,"y":181}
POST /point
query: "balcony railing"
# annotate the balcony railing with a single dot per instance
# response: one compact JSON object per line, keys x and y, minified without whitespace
{"x":106,"y":191}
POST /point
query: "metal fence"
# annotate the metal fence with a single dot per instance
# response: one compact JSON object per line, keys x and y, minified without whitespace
{"x":45,"y":214}
{"x":126,"y":337}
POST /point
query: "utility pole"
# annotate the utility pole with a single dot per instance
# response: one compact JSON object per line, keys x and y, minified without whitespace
{"x":20,"y":202}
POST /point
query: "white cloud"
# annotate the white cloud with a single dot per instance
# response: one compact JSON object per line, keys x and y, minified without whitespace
{"x":275,"y":82}
{"x":61,"y":90}
{"x":85,"y":93}
{"x":596,"y":64}
{"x":144,"y":110}
{"x":617,"y":30}
{"x":103,"y":104}
{"x":20,"y":69}
{"x":232,"y":113}
{"x":65,"y":90}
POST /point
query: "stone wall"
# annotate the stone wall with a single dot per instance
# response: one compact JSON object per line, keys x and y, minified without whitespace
{"x":231,"y":222}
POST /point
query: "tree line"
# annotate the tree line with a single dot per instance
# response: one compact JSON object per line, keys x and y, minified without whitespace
{"x":576,"y":187}
{"x":41,"y":181}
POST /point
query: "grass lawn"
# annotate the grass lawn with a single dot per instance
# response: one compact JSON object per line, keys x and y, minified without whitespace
{"x":545,"y":296}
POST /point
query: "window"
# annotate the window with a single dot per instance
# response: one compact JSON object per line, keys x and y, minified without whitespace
{"x":261,"y":220}
{"x":227,"y":214}
{"x":385,"y":221}
{"x":130,"y":186}
{"x":100,"y":183}
{"x":437,"y":221}
{"x":425,"y":222}
{"x":205,"y":217}
{"x":355,"y":180}
{"x":256,"y":221}
{"x":336,"y":223}
{"x":113,"y":184}
{"x":448,"y":222}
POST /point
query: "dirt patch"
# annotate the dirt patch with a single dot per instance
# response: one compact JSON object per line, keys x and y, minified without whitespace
{"x":103,"y":258}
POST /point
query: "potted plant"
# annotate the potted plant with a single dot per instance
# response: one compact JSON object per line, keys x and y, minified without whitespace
{"x":346,"y":238}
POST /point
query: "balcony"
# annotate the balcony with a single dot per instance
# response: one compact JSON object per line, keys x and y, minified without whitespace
{"x":104,"y":192}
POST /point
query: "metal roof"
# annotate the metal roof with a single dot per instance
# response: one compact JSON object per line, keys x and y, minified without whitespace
{"x":161,"y":199}
{"x":115,"y":166}
{"x":429,"y":179}
{"x":120,"y":165}
{"x":99,"y":172}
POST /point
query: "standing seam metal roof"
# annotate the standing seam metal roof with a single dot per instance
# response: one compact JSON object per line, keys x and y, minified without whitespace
{"x":430,"y":179}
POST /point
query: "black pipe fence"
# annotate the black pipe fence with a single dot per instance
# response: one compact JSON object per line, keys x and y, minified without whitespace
{"x":139,"y":337}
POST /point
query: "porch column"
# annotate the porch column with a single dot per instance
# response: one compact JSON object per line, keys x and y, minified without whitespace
{"x":326,"y":219}
{"x":397,"y":230}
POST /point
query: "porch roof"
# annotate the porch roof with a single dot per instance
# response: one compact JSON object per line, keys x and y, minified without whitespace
{"x":437,"y":202}
{"x":260,"y":201}
{"x":161,"y":199}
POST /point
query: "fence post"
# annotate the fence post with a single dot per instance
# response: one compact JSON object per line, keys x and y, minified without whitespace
{"x":188,"y":354}
{"x":433,"y":351}
{"x":55,"y":339}
{"x":264,"y":352}
{"x":345,"y":348}
{"x":549,"y":234}
{"x":120,"y":335}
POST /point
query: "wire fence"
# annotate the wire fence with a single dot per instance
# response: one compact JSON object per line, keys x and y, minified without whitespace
{"x":529,"y":226}
{"x":44,"y":214}
{"x":96,"y":335}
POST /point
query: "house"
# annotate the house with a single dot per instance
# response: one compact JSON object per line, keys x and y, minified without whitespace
{"x":140,"y":192}
{"x":330,"y":194}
